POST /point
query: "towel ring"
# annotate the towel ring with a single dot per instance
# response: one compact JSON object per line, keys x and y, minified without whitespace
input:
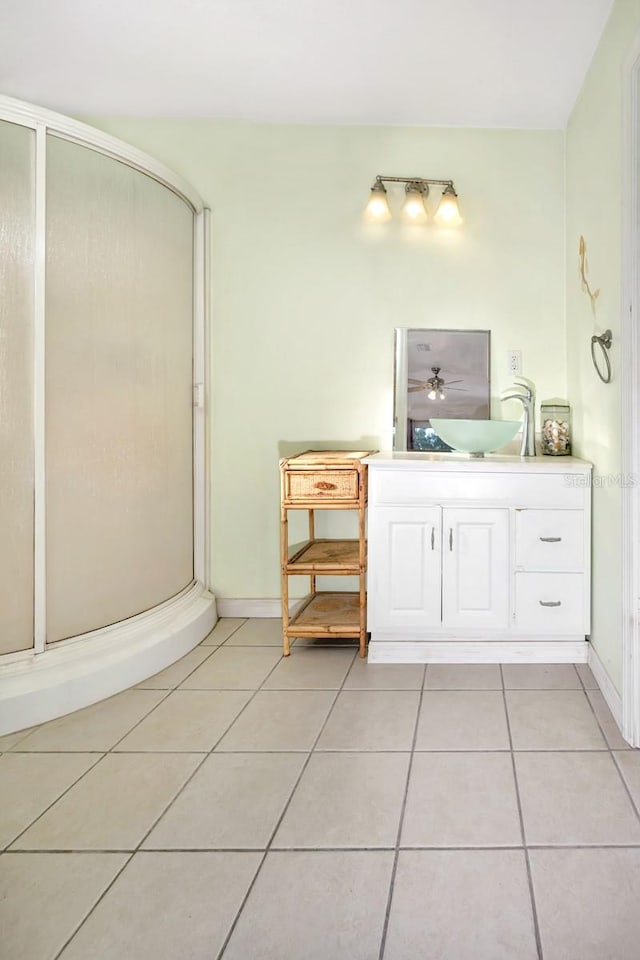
{"x":604,"y":342}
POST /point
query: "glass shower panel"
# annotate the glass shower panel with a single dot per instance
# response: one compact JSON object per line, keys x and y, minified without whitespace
{"x":17,"y":223}
{"x":119,"y":447}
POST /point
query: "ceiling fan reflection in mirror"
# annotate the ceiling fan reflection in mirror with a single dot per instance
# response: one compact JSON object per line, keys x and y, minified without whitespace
{"x":435,"y":385}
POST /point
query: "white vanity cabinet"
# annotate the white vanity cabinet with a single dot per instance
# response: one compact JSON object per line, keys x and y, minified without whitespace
{"x":478,"y":560}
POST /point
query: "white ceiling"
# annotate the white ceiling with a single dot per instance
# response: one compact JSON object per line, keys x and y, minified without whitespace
{"x":481,"y":63}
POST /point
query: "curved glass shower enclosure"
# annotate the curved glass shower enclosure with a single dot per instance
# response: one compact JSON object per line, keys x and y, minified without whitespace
{"x":102,"y":471}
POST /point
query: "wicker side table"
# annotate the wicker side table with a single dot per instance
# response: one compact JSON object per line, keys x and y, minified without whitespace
{"x":324,"y":480}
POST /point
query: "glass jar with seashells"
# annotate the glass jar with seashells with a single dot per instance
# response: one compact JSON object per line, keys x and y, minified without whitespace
{"x":555,"y":417}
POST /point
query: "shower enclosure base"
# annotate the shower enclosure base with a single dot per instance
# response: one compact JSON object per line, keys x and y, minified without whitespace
{"x":76,"y":673}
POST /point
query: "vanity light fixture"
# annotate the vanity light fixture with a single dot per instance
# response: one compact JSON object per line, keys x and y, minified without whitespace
{"x":414,"y":208}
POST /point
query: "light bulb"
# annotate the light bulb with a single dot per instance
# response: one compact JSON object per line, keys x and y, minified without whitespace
{"x":431,"y":394}
{"x":413,"y":208}
{"x":377,"y":209}
{"x":448,"y":212}
{"x":441,"y":395}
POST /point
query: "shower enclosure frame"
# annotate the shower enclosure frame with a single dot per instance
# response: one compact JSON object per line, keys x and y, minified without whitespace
{"x":45,"y":681}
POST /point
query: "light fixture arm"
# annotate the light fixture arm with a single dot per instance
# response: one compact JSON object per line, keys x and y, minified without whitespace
{"x":426,"y":181}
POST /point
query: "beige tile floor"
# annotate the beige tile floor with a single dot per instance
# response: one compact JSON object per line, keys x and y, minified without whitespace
{"x":244,"y":806}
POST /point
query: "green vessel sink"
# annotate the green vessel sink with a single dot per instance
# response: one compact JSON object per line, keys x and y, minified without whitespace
{"x":476,"y":437}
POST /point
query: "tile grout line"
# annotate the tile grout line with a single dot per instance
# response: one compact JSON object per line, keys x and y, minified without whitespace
{"x":267,"y":848}
{"x":164,"y":811}
{"x":112,"y":748}
{"x":313,"y":749}
{"x":394,"y":867}
{"x":101,"y":754}
{"x":611,"y":752}
{"x":25,"y":733}
{"x":99,"y":757}
{"x":126,"y":863}
{"x":270,"y":646}
{"x":206,"y":754}
{"x":607,"y":745}
{"x":233,"y":632}
{"x":534,"y":909}
{"x":385,"y":848}
{"x":213,"y":649}
{"x":133,"y":853}
{"x":635,"y":806}
{"x":166,"y":690}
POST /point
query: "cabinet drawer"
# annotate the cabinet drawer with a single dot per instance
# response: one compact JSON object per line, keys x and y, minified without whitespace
{"x":550,"y":603}
{"x":550,"y":540}
{"x":303,"y":485}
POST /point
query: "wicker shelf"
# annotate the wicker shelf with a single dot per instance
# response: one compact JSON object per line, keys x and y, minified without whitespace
{"x":324,"y":480}
{"x":334,"y":557}
{"x":335,"y":614}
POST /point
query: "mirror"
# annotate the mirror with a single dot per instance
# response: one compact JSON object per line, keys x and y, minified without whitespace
{"x":438,"y":373}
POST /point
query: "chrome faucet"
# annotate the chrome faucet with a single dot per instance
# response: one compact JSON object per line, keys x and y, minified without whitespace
{"x":524,"y":391}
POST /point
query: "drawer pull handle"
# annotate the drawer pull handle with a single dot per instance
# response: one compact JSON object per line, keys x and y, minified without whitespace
{"x":325,"y":485}
{"x":550,"y":603}
{"x":551,"y":539}
{"x":433,"y":538}
{"x":450,"y":539}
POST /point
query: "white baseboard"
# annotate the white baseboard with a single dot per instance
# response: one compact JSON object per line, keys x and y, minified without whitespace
{"x":253,"y":607}
{"x":478,"y":651}
{"x":76,"y":673}
{"x":609,"y":692}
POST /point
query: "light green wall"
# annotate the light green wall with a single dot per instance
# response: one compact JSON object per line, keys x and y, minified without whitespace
{"x":594,"y":210}
{"x":305,"y":296}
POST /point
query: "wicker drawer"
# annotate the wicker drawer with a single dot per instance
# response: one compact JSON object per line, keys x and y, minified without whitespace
{"x":319,"y":485}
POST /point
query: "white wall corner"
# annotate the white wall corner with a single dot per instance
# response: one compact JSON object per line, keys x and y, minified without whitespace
{"x":628,"y":717}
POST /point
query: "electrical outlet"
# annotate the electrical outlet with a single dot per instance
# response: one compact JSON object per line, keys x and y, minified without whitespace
{"x":514,"y":361}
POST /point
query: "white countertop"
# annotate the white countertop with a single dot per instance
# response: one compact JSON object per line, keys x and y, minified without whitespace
{"x":491,"y":462}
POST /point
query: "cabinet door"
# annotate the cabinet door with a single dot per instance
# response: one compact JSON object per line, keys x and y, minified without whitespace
{"x":404,"y":581}
{"x":475,"y":568}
